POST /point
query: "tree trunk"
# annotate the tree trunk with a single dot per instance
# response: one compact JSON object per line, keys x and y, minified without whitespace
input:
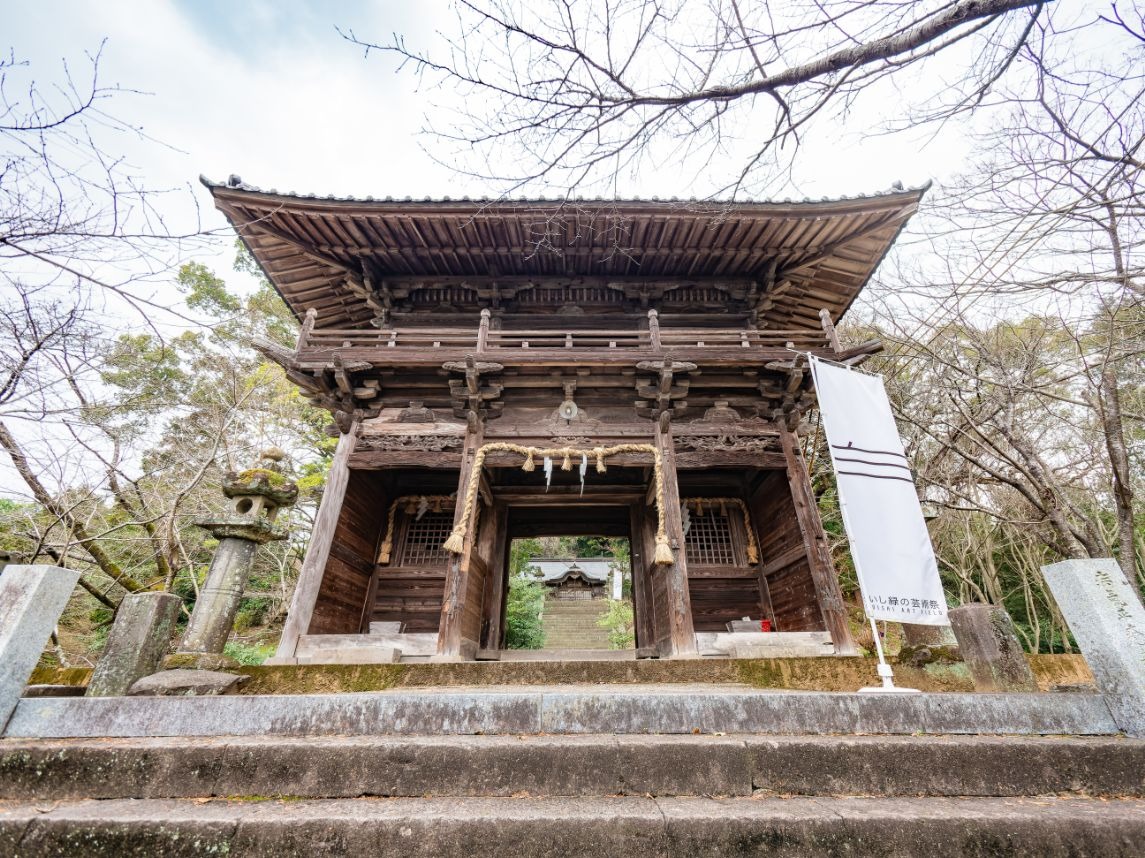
{"x":1113,"y":430}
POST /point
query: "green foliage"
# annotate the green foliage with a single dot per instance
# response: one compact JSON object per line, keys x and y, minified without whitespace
{"x":206,"y":292}
{"x":523,"y":628}
{"x":619,"y":621}
{"x":247,"y":653}
{"x":521,"y":553}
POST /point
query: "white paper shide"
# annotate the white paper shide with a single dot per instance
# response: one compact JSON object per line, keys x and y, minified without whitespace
{"x":894,"y":559}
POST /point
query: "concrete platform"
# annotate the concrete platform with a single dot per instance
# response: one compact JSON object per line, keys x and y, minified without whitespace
{"x":628,"y":709}
{"x":543,"y":827}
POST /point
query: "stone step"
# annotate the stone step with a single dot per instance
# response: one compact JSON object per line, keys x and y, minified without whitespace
{"x":632,"y":827}
{"x":590,"y":765}
{"x":564,"y":709}
{"x":564,"y":656}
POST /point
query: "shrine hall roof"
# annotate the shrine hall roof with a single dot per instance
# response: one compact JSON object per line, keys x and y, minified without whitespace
{"x":331,"y":253}
{"x":590,"y":568}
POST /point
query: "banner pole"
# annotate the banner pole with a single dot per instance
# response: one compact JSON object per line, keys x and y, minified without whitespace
{"x":886,"y":673}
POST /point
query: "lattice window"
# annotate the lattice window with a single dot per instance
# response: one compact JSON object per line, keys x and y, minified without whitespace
{"x":709,"y":540}
{"x":424,"y":538}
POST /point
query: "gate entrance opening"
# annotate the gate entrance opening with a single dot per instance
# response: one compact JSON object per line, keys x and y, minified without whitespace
{"x":569,"y":594}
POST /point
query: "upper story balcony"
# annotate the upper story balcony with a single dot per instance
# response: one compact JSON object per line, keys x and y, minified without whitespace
{"x":417,"y":346}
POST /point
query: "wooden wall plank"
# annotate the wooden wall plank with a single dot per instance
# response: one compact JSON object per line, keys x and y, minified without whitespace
{"x":341,"y":605}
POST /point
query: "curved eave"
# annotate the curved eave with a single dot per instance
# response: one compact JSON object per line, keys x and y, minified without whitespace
{"x":316,"y":251}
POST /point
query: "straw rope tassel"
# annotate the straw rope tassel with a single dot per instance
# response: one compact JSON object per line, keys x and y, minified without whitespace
{"x":388,"y":543}
{"x":456,"y":542}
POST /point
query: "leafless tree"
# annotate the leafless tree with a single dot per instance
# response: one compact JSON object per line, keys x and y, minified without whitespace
{"x":81,"y":238}
{"x":571,"y":92}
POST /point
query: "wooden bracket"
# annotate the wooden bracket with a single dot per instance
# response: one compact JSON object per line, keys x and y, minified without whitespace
{"x":668,"y":391}
{"x":472,"y":394}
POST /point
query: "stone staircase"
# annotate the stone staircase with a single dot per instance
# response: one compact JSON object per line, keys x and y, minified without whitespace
{"x":572,"y":770}
{"x":571,"y":624}
{"x":569,"y":795}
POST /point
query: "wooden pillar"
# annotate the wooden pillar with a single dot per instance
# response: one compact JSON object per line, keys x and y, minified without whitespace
{"x":641,"y":563}
{"x":496,"y":532}
{"x":449,"y":641}
{"x":318,"y":550}
{"x":823,"y":575}
{"x":682,"y":638}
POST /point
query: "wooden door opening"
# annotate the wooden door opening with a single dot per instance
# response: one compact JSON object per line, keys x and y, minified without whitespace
{"x":566,"y":521}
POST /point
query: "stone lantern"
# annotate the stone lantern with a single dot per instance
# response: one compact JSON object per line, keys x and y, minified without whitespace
{"x":256,"y":496}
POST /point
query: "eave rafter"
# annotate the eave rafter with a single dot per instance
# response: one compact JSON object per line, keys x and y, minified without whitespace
{"x":360,"y":260}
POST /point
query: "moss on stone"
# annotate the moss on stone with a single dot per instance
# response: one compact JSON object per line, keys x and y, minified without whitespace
{"x":261,"y":475}
{"x":829,"y":673}
{"x":264,"y":482}
{"x":924,"y":654}
{"x":322,"y":678}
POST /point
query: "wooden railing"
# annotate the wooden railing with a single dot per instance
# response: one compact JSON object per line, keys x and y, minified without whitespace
{"x":486,"y":341}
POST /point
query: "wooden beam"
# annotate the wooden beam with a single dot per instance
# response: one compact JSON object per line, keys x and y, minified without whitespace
{"x":827,"y":591}
{"x":376,"y":460}
{"x":702,"y":460}
{"x":682,"y":639}
{"x":318,"y":550}
{"x":829,"y":330}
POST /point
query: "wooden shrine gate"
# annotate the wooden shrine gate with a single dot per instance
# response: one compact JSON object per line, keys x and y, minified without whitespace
{"x":454,"y":353}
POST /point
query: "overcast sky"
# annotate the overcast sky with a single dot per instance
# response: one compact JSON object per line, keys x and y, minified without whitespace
{"x":270,"y":91}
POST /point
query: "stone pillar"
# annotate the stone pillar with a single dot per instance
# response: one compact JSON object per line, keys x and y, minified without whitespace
{"x":257,"y":495}
{"x":137,"y":643}
{"x":1107,"y":619}
{"x":991,"y":649}
{"x":31,"y":601}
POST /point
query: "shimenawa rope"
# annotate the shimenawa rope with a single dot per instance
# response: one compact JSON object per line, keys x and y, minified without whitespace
{"x":456,"y":541}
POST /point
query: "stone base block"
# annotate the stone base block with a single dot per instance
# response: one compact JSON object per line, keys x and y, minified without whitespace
{"x":314,"y":647}
{"x":189,"y":683}
{"x":353,"y":655}
{"x":758,"y":644}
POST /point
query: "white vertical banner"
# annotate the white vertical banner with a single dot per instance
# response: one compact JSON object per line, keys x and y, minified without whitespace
{"x":894,"y":559}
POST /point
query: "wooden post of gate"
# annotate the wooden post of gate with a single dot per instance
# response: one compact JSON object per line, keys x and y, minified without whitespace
{"x":682,"y":640}
{"x":449,"y":640}
{"x":827,"y":591}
